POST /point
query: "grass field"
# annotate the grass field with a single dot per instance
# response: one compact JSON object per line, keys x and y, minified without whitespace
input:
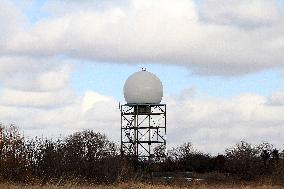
{"x":146,"y":186}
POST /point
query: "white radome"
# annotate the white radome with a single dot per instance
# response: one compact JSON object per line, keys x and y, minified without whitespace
{"x":143,"y":87}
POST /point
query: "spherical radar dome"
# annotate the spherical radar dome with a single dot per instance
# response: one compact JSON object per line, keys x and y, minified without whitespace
{"x":143,"y":87}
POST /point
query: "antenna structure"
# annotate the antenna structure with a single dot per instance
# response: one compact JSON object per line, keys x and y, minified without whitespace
{"x":143,"y":131}
{"x":143,"y":118}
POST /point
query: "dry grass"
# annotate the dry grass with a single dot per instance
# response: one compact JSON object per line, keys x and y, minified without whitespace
{"x":134,"y":185}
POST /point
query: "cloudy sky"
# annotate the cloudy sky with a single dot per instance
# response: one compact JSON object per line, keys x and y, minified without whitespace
{"x":63,"y":64}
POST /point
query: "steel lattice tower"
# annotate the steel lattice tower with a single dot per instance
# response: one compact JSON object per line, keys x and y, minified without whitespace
{"x":143,"y":131}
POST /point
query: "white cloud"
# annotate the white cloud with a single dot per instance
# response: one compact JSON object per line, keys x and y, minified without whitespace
{"x":34,"y":74}
{"x":59,"y":112}
{"x":36,"y":99}
{"x":211,"y":124}
{"x":215,"y":124}
{"x":226,"y":40}
{"x":11,"y":19}
{"x":90,"y":98}
{"x":277,"y":99}
{"x":167,"y":32}
{"x":247,"y":14}
{"x":54,"y":79}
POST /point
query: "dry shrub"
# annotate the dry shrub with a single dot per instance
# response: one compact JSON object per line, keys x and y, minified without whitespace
{"x":242,"y":160}
{"x":13,"y":164}
{"x":90,"y":157}
{"x":278,"y":173}
{"x":186,"y":158}
{"x":85,"y":156}
{"x":252,"y":162}
{"x":139,"y":185}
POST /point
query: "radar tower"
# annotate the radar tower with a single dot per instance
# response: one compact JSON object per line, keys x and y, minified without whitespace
{"x":143,"y":118}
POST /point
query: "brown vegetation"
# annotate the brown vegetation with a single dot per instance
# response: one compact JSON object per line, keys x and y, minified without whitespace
{"x":131,"y":185}
{"x":90,"y":158}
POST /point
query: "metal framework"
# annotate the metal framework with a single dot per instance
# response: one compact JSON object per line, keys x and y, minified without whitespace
{"x":143,"y":131}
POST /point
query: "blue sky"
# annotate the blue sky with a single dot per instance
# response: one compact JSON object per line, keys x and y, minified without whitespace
{"x":61,"y":60}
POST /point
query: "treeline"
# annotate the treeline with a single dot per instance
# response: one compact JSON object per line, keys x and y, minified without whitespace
{"x":242,"y":162}
{"x":91,"y":157}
